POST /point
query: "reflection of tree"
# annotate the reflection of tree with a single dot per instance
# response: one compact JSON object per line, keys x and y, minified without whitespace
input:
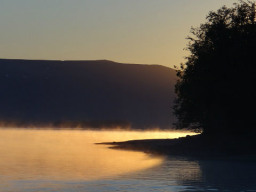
{"x":178,"y":174}
{"x":222,"y":175}
{"x":184,"y":170}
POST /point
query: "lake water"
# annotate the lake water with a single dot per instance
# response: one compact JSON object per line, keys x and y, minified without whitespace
{"x":69,"y":161}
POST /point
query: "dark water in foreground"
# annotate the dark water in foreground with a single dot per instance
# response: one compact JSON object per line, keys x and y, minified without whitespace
{"x":68,"y":161}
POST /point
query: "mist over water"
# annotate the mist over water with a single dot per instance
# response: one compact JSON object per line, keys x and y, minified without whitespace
{"x":65,"y":154}
{"x":68,"y":160}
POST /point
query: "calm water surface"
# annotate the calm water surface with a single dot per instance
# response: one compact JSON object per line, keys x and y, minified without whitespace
{"x":68,"y":160}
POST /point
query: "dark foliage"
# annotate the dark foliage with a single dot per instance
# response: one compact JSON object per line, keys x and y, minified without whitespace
{"x":216,"y":91}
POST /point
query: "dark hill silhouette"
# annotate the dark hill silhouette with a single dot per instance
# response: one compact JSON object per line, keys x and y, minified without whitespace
{"x":82,"y":92}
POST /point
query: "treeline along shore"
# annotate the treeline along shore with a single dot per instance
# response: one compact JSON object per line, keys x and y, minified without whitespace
{"x":216,"y":88}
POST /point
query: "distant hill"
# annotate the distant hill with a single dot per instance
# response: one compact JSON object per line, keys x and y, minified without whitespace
{"x":86,"y":93}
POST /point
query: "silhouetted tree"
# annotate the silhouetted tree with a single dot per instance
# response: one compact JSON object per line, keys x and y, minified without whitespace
{"x":216,"y":90}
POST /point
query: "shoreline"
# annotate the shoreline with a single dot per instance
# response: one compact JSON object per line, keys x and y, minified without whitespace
{"x":197,"y":146}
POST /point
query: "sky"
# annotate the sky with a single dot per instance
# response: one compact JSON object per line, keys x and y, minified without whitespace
{"x":127,"y":31}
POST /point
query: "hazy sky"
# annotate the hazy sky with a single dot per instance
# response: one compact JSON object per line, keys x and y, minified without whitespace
{"x":130,"y":31}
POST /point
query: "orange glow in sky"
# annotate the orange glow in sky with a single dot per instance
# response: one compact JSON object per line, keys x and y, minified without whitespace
{"x":134,"y":31}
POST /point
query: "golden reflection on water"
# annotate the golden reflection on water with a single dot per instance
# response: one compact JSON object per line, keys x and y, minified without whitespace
{"x":71,"y":154}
